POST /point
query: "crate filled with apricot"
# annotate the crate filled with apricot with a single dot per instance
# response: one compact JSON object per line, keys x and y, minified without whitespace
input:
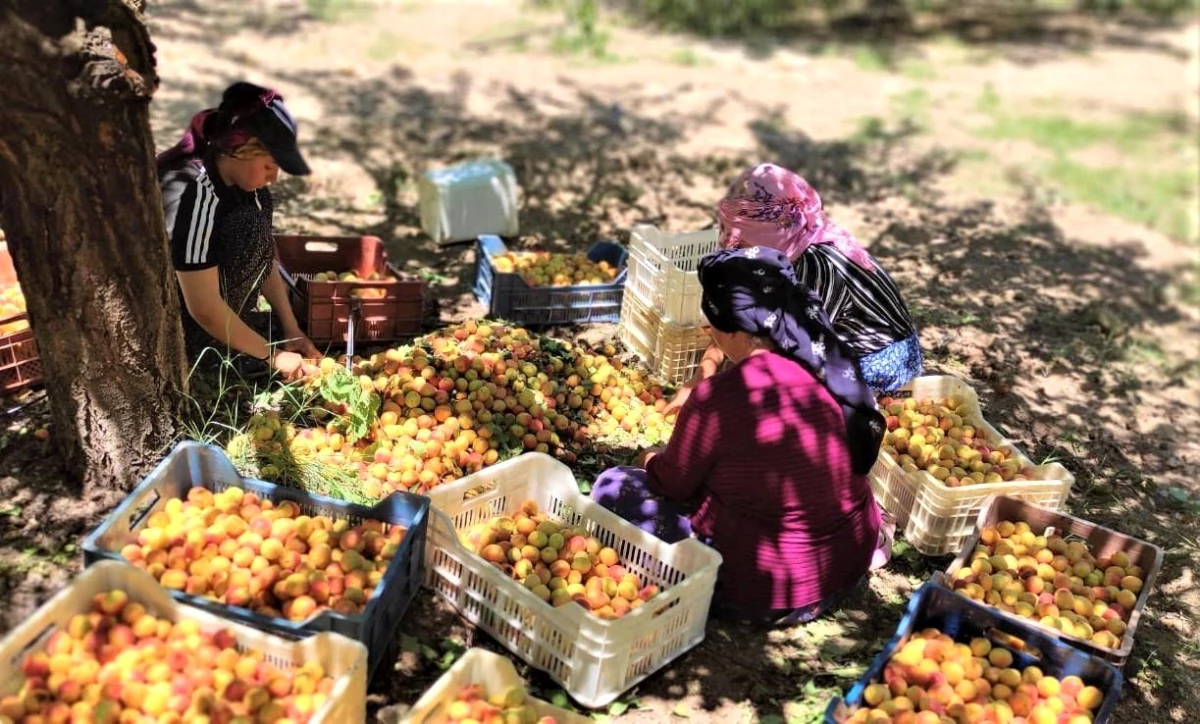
{"x":1079,"y":580}
{"x":121,"y":663}
{"x":12,"y":304}
{"x":932,"y":677}
{"x":549,"y":269}
{"x":941,"y":460}
{"x":565,"y":584}
{"x":360,"y":292}
{"x":952,"y":660}
{"x":560,"y":564}
{"x":472,"y":705}
{"x":483,"y":687}
{"x":271,"y":557}
{"x":20,"y":364}
{"x":236,"y":548}
{"x":542,"y":288}
{"x":343,"y":285}
{"x":938,"y":436}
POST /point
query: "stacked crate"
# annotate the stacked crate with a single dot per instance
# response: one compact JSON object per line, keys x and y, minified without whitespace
{"x":660,"y":314}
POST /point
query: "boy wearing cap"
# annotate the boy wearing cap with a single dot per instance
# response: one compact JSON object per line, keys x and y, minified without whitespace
{"x":219,"y":218}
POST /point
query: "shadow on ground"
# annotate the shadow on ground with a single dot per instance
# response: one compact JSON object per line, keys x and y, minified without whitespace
{"x":1016,"y":297}
{"x":1040,"y":324}
{"x":893,"y":30}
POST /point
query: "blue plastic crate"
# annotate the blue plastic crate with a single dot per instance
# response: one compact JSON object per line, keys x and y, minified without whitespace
{"x":935,"y":606}
{"x":193,"y":464}
{"x":508,"y":296}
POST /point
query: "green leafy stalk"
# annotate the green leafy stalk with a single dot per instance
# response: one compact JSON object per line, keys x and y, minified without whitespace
{"x":361,"y":407}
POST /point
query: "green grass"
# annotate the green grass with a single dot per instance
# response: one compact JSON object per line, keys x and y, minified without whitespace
{"x":913,"y":105}
{"x":385,"y":46}
{"x":583,"y":47}
{"x":918,"y":69}
{"x":688,"y":57}
{"x":1187,"y":284}
{"x":1063,"y":134}
{"x":881,"y":58}
{"x":1162,"y":199}
{"x":332,"y":11}
{"x":989,"y":100}
{"x":1154,"y":182}
{"x":872,"y":58}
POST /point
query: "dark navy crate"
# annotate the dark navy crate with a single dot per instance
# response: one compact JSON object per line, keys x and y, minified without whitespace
{"x":935,"y":606}
{"x":508,"y":296}
{"x":193,"y":464}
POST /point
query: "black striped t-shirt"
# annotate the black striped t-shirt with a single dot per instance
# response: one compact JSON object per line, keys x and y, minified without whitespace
{"x":864,"y":305}
{"x":212,"y":225}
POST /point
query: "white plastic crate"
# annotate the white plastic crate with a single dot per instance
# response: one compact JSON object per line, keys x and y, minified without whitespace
{"x":595,"y":660}
{"x":937,"y":519}
{"x":343,"y":659}
{"x":671,"y":351}
{"x":662,"y":271}
{"x":464,"y":201}
{"x":492,"y":671}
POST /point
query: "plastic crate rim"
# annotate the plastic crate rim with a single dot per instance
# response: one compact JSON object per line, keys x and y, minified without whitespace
{"x":161,"y":602}
{"x":361,"y":511}
{"x":484,"y":257}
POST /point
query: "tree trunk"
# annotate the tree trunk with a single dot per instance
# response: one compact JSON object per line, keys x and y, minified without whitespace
{"x":80,"y":204}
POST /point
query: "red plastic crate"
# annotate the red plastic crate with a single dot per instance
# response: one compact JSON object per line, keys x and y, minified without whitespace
{"x":324,"y":308}
{"x":20,"y":365}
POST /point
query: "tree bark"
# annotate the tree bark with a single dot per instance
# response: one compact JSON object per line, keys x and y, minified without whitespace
{"x":80,"y":204}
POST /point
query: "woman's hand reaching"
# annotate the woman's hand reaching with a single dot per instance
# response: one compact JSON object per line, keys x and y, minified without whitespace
{"x":302,"y":345}
{"x":288,"y":364}
{"x":681,"y":396}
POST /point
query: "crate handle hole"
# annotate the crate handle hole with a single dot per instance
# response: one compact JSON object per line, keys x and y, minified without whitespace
{"x":34,"y":643}
{"x":1012,"y":642}
{"x":479,"y":490}
{"x":322,"y":247}
{"x":435,"y":714}
{"x":139,"y":514}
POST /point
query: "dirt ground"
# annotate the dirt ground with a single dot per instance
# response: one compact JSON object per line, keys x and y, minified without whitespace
{"x":1039,"y":256}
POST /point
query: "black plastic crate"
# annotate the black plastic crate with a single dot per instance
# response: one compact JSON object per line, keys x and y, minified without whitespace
{"x":193,"y":464}
{"x":508,"y":296}
{"x":935,"y":606}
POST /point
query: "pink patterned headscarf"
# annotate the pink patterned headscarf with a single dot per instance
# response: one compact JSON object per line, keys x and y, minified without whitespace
{"x":771,"y":206}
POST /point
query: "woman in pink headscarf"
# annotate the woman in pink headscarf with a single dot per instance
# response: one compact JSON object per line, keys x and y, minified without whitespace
{"x":771,"y":206}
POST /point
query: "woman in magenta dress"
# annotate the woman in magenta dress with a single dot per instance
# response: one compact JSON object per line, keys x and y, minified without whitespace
{"x":768,"y":460}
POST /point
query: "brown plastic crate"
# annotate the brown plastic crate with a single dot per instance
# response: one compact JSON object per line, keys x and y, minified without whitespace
{"x":20,"y":365}
{"x":1101,"y":541}
{"x":323,"y":308}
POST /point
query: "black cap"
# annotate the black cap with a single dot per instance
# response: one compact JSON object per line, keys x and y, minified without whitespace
{"x":260,"y":112}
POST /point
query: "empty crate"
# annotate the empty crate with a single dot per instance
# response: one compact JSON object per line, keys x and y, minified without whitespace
{"x":461,"y":202}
